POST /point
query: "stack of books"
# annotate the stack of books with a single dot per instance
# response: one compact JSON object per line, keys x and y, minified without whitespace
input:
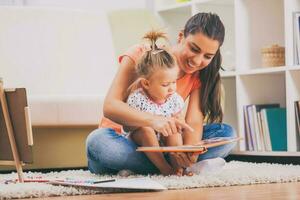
{"x":265,"y":127}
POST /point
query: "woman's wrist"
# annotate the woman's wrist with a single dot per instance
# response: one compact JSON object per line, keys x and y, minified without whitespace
{"x":149,"y":120}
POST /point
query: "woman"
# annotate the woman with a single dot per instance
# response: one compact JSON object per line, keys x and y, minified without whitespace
{"x":198,"y":55}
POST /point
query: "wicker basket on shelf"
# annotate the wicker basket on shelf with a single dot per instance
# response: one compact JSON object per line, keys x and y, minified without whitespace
{"x":273,"y":56}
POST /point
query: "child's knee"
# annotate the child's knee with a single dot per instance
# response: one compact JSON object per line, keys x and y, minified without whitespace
{"x":147,"y":131}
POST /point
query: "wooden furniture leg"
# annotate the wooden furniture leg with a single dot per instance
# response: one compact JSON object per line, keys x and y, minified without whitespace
{"x":11,"y":137}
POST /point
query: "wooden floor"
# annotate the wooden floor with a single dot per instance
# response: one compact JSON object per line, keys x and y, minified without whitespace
{"x":254,"y":192}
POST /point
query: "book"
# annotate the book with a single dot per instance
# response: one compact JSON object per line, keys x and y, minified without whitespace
{"x":296,"y":37}
{"x":254,"y":129}
{"x":247,"y":134}
{"x":254,"y":140}
{"x":297,"y":123}
{"x":199,"y":148}
{"x":262,"y":134}
{"x":126,"y":184}
{"x":276,"y":127}
{"x":297,"y":116}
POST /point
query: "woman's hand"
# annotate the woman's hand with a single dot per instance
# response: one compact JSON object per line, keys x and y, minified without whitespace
{"x":169,"y":125}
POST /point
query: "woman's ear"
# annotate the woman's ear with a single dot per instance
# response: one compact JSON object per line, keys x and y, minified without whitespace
{"x":180,"y":36}
{"x":145,"y":83}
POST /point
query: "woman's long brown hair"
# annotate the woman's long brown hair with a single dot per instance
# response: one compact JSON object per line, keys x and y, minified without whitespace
{"x":210,"y":96}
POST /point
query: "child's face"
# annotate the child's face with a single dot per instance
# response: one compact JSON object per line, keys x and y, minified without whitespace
{"x":162,"y":84}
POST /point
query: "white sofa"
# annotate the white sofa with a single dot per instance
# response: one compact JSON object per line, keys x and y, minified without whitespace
{"x":64,"y":58}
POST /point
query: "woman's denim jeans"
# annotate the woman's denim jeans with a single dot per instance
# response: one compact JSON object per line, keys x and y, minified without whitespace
{"x":109,"y":152}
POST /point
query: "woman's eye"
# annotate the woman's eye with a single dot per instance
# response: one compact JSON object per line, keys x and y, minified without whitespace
{"x":208,"y":57}
{"x":194,"y":50}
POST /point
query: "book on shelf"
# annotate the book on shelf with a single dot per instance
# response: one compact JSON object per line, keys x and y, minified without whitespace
{"x":254,"y":130}
{"x":297,"y":119}
{"x":248,"y":140}
{"x":276,"y":127}
{"x":199,"y":148}
{"x":265,"y":139}
{"x":296,"y":37}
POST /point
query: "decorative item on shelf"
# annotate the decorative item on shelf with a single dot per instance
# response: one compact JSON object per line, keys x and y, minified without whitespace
{"x":273,"y":56}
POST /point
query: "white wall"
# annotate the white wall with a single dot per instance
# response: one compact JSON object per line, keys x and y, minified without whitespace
{"x":89,"y":5}
{"x":54,"y":51}
{"x":62,"y":52}
{"x":58,"y":47}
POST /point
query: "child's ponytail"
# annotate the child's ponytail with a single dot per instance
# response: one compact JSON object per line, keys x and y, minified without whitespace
{"x":156,"y":57}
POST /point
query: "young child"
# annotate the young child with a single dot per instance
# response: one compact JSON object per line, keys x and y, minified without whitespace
{"x":156,"y":94}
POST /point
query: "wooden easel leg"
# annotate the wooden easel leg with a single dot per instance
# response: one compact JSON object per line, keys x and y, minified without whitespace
{"x":20,"y":171}
{"x":11,"y":137}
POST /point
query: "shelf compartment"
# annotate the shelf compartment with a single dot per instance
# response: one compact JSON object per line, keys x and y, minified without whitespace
{"x":174,"y":21}
{"x":258,"y":89}
{"x":230,"y":112}
{"x":225,"y":10}
{"x":293,"y":94}
{"x":262,"y":88}
{"x":260,"y":24}
{"x":290,"y":6}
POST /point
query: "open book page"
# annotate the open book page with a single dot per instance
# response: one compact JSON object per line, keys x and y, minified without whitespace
{"x":144,"y":183}
{"x":199,"y":148}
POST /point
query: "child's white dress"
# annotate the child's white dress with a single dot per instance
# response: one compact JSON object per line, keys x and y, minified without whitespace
{"x":139,"y":100}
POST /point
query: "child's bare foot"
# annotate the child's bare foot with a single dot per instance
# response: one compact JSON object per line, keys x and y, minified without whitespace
{"x":171,"y":171}
{"x":179,"y":171}
{"x":167,"y":171}
{"x":186,"y":173}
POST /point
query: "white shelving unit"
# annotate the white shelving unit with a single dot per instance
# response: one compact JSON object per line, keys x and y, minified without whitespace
{"x":250,"y":25}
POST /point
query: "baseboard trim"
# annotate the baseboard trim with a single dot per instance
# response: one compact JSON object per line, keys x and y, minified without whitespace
{"x":265,"y":159}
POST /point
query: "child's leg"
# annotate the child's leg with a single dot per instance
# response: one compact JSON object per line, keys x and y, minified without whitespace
{"x":174,"y":140}
{"x":146,"y":136}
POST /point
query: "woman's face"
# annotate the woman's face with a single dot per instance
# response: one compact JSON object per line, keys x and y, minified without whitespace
{"x":195,"y":52}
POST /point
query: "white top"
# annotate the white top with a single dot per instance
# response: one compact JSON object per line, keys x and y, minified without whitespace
{"x":139,"y":100}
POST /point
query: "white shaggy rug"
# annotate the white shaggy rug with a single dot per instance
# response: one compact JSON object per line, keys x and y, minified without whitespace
{"x":233,"y":173}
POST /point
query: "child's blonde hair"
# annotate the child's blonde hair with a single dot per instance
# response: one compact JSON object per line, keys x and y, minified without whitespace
{"x":156,"y":58}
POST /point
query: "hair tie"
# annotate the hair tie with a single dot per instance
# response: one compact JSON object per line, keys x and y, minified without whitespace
{"x":156,"y":51}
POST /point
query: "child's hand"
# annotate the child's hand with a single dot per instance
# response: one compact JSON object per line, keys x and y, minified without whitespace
{"x":168,"y":125}
{"x":179,"y":116}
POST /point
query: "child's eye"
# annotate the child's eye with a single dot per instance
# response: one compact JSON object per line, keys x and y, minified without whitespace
{"x":165,"y":85}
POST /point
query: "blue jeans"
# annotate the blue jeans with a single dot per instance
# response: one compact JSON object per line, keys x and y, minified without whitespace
{"x":109,"y":152}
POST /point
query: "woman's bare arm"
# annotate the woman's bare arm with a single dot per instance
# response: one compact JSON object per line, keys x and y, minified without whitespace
{"x":194,"y":118}
{"x":115,"y":107}
{"x":117,"y":110}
